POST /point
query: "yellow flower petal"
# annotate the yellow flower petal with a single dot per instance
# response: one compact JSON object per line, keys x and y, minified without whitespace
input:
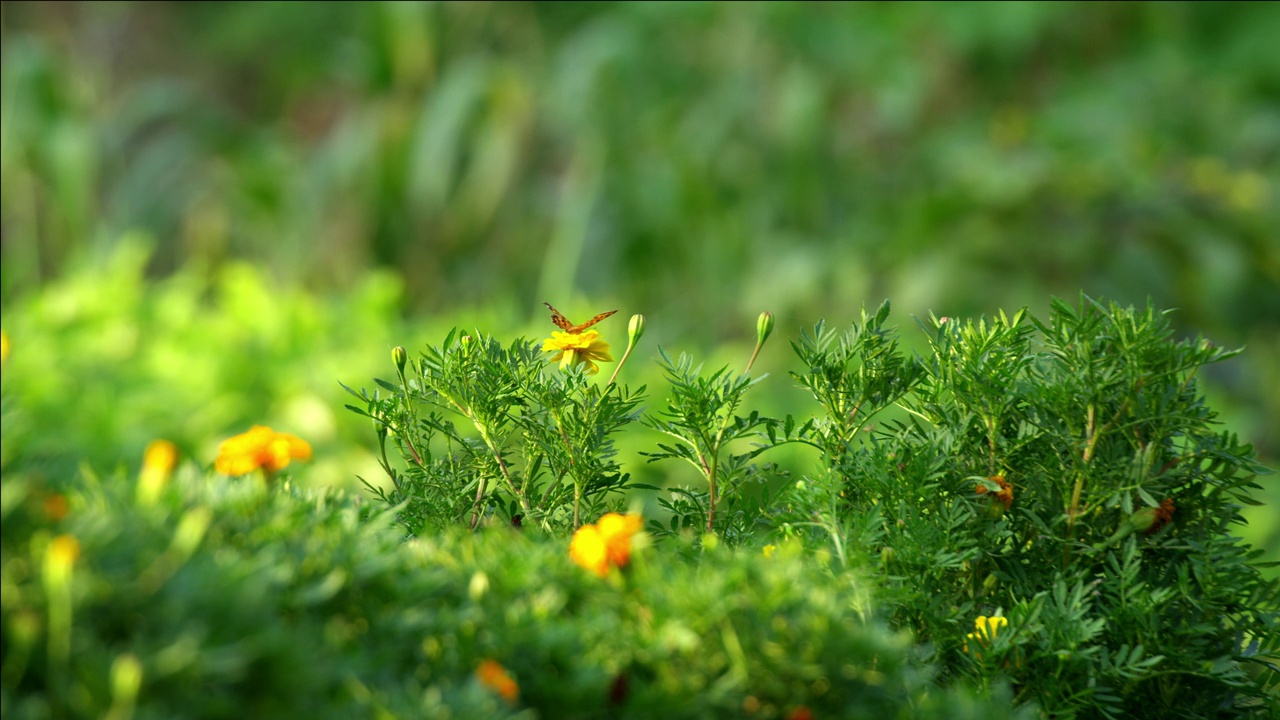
{"x":588,"y":549}
{"x":260,"y":447}
{"x":573,"y":349}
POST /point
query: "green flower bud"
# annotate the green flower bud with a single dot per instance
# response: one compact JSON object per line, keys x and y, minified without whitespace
{"x":1143,"y":519}
{"x":126,"y":678}
{"x":635,"y":329}
{"x":764,"y":327}
{"x":399,"y":356}
{"x":990,"y":583}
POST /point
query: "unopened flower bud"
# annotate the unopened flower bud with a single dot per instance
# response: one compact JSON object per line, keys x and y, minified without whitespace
{"x":635,"y":329}
{"x":1143,"y":519}
{"x":764,"y":327}
{"x":399,"y":356}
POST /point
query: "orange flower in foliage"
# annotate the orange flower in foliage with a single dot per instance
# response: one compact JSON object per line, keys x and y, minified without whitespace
{"x":1003,"y":493}
{"x":260,"y":447}
{"x":606,"y":544}
{"x":495,"y":677}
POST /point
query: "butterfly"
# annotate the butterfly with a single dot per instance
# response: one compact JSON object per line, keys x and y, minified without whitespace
{"x":563,"y":323}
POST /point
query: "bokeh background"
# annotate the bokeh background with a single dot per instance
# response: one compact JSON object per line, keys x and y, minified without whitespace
{"x":212,"y":213}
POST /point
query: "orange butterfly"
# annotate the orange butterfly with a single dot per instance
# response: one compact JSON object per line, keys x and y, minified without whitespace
{"x":563,"y":323}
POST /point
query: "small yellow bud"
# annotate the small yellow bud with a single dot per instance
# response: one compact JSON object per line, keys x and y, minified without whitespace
{"x":990,"y":583}
{"x":158,"y":461}
{"x":126,"y":679}
{"x":399,"y":356}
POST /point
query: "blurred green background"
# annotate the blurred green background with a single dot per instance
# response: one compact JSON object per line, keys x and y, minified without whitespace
{"x":213,"y":212}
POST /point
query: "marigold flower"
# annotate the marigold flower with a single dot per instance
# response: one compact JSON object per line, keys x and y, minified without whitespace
{"x":495,"y":677}
{"x":260,"y":447}
{"x":985,"y":629}
{"x":589,"y":550}
{"x":584,"y":348}
{"x":606,"y":544}
{"x":1004,"y":495}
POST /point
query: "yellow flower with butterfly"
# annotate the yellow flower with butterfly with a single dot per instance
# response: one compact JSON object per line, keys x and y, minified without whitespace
{"x":577,"y":344}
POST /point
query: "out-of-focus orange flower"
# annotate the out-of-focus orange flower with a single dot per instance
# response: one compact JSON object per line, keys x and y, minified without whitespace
{"x":495,"y":677}
{"x":260,"y":447}
{"x":801,"y":713}
{"x":606,"y":544}
{"x":588,"y":549}
{"x":55,"y":507}
{"x":1004,"y":495}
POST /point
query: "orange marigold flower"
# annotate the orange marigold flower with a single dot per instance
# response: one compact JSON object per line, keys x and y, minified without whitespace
{"x":260,"y":447}
{"x":495,"y":677}
{"x":617,"y":531}
{"x":1003,"y":495}
{"x":606,"y":544}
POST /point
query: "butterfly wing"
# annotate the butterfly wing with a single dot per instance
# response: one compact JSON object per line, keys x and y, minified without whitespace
{"x":560,"y":320}
{"x":563,"y":323}
{"x":579,"y":328}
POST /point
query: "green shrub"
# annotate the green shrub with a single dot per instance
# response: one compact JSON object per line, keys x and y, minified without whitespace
{"x":1063,"y":476}
{"x":231,"y":598}
{"x":1066,"y":475}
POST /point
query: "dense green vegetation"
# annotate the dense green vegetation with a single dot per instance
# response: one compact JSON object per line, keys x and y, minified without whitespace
{"x":214,"y":214}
